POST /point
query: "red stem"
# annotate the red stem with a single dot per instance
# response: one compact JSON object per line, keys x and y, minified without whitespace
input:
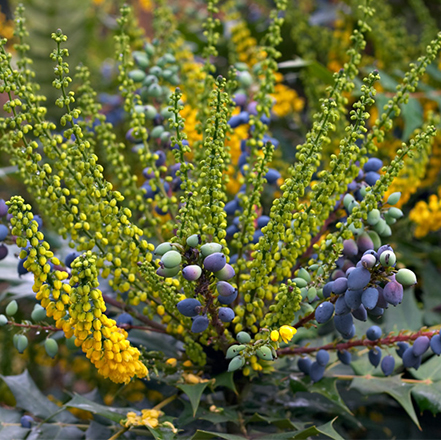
{"x":389,"y":340}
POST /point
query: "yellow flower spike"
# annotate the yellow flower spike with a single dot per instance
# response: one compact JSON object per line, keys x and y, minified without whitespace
{"x":274,"y":336}
{"x":287,"y":332}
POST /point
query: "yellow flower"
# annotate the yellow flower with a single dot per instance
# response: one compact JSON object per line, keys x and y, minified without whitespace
{"x":172,"y":361}
{"x":287,"y":332}
{"x":275,"y":336}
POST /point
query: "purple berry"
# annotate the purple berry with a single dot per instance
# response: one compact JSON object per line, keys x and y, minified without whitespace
{"x":200,"y":324}
{"x":369,"y":298}
{"x":189,"y":307}
{"x":215,"y":262}
{"x":393,"y":293}
{"x":226,"y":314}
{"x":192,"y":272}
{"x":225,"y":289}
{"x":421,"y":345}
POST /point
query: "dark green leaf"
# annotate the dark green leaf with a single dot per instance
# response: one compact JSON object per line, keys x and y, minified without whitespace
{"x":226,"y":380}
{"x":431,"y":369}
{"x":114,"y":414}
{"x":393,"y":386}
{"x":428,"y":397}
{"x":194,"y":393}
{"x":280,"y":422}
{"x":205,"y":435}
{"x":96,"y":431}
{"x":31,"y":399}
{"x":57,"y":432}
{"x":326,"y":429}
{"x":327,"y":387}
{"x":296,"y":384}
{"x":13,"y":433}
{"x":321,"y":72}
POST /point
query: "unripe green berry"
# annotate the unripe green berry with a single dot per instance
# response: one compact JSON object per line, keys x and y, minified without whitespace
{"x":210,"y":248}
{"x":171,"y":259}
{"x":162,"y":248}
{"x":193,"y":240}
{"x":22,"y":343}
{"x":39,"y":313}
{"x":394,"y":198}
{"x":234,"y":350}
{"x":11,"y":308}
{"x":236,"y":364}
{"x":3,"y":320}
{"x":300,"y":282}
{"x":395,"y":212}
{"x":406,"y":277}
{"x":137,"y":75}
{"x":264,"y":353}
{"x":51,"y":347}
{"x":243,"y":337}
{"x":373,"y":217}
{"x":388,"y":258}
{"x":303,"y":273}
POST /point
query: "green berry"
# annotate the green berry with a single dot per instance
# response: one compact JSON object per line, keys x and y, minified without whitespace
{"x":3,"y":320}
{"x":51,"y":347}
{"x":264,"y":353}
{"x":12,"y":308}
{"x":162,"y":248}
{"x":388,"y":258}
{"x":150,"y":112}
{"x":375,"y":239}
{"x":236,"y":364}
{"x":406,"y":277}
{"x":243,"y":337}
{"x":22,"y":343}
{"x":303,"y":273}
{"x":157,"y":131}
{"x":234,"y":350}
{"x":347,"y":200}
{"x":137,"y":75}
{"x":373,"y":217}
{"x":210,"y":248}
{"x":300,"y":282}
{"x":171,"y":259}
{"x":39,"y":313}
{"x":312,"y":293}
{"x":155,"y":90}
{"x":394,"y":198}
{"x":395,"y":212}
{"x":194,"y":240}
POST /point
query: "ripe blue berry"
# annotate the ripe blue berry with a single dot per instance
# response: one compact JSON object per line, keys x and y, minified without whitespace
{"x":226,"y":314}
{"x":435,"y":344}
{"x":26,"y":422}
{"x":304,"y":365}
{"x":191,"y":272}
{"x":353,"y":298}
{"x":3,"y":232}
{"x":316,"y":371}
{"x":344,"y":356}
{"x":402,"y":347}
{"x":200,"y":324}
{"x":373,"y":164}
{"x":410,"y":360}
{"x":226,"y":300}
{"x":375,"y":356}
{"x":225,"y":289}
{"x":343,"y":324}
{"x":373,"y":333}
{"x":388,"y":365}
{"x":341,"y":307}
{"x":322,"y":357}
{"x":70,"y":258}
{"x":124,"y":318}
{"x":215,"y":262}
{"x":421,"y":345}
{"x":358,"y":278}
{"x":369,"y":298}
{"x":393,"y":293}
{"x":189,"y":307}
{"x":340,"y":285}
{"x":324,"y":312}
{"x":350,"y":248}
{"x":3,"y":252}
{"x":360,"y":313}
{"x":327,"y":289}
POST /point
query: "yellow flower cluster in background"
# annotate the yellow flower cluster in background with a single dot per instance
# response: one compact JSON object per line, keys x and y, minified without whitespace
{"x":427,"y":215}
{"x":148,"y":417}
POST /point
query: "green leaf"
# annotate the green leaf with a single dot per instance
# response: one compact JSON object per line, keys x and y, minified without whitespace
{"x":428,"y":397}
{"x":226,"y":380}
{"x":31,"y":399}
{"x":57,"y":432}
{"x":114,"y":414}
{"x":393,"y":386}
{"x":431,"y":369}
{"x":412,"y":113}
{"x":194,"y":393}
{"x":326,"y":429}
{"x":407,"y":315}
{"x":327,"y":387}
{"x":296,"y":384}
{"x":13,"y":432}
{"x":280,"y":422}
{"x":96,"y":430}
{"x":205,"y":435}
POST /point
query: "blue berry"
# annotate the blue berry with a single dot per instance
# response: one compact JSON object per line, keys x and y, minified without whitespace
{"x":371,"y":178}
{"x":316,"y":371}
{"x":26,"y":422}
{"x":3,"y":252}
{"x":360,"y":313}
{"x":189,"y":307}
{"x":225,"y":289}
{"x":373,"y":164}
{"x":350,"y":248}
{"x":304,"y":365}
{"x":340,"y":285}
{"x":262,"y":221}
{"x":369,"y":298}
{"x":343,"y":324}
{"x":191,"y":272}
{"x":402,"y":347}
{"x":435,"y":344}
{"x":341,"y":307}
{"x":373,"y":333}
{"x":3,"y":232}
{"x":353,"y":298}
{"x":388,"y":365}
{"x":375,"y":356}
{"x":393,"y":293}
{"x":272,"y":176}
{"x":226,"y":314}
{"x":327,"y":289}
{"x":322,"y":357}
{"x":200,"y":324}
{"x":358,"y":278}
{"x":124,"y":318}
{"x":410,"y":360}
{"x":70,"y":258}
{"x":324,"y":312}
{"x":421,"y":345}
{"x":226,"y":300}
{"x":344,"y":356}
{"x":3,"y":208}
{"x":215,"y":262}
{"x":20,"y":268}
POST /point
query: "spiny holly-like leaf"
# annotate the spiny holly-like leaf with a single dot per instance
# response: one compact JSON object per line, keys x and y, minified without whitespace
{"x":226,"y":380}
{"x":205,"y":435}
{"x":393,"y":386}
{"x":431,"y":369}
{"x":428,"y":397}
{"x":194,"y":393}
{"x":327,"y":429}
{"x":31,"y":399}
{"x":327,"y":387}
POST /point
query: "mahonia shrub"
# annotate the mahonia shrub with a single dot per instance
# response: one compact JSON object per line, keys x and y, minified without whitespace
{"x":223,"y":235}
